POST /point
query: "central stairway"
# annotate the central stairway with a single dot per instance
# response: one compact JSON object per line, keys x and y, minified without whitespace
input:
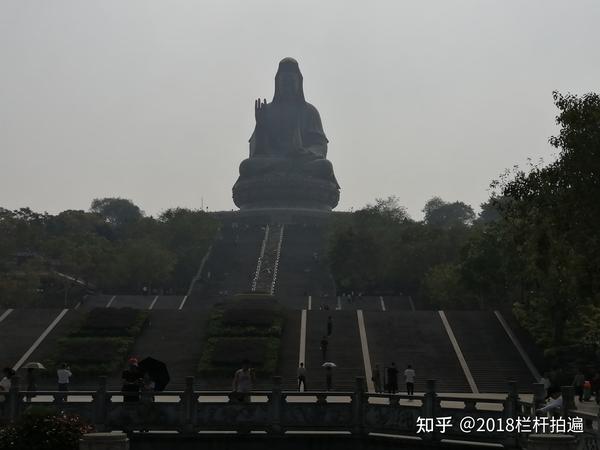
{"x":267,"y":266}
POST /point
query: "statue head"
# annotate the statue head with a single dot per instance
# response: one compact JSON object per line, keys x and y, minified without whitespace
{"x":288,"y":82}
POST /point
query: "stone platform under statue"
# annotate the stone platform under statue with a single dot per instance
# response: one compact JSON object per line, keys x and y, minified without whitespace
{"x":287,"y":166}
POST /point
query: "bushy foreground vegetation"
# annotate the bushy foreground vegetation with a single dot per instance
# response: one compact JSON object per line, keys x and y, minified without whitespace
{"x":113,"y":247}
{"x":43,"y":429}
{"x":534,"y":248}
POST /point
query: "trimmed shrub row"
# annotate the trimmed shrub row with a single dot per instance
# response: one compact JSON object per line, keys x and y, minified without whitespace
{"x":102,"y":341}
{"x":246,"y":328}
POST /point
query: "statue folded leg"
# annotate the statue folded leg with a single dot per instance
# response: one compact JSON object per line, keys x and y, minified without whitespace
{"x":260,"y":166}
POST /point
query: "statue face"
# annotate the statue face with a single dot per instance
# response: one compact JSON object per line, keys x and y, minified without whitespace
{"x":289,"y":84}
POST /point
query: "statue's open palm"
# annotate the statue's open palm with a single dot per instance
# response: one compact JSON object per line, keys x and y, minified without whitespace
{"x":260,"y":110}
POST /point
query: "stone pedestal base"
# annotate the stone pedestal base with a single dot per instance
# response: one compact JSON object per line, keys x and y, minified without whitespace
{"x":285,"y":191}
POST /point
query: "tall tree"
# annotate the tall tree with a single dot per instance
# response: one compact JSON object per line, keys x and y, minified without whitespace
{"x":439,"y":213}
{"x":552,"y":218}
{"x":117,"y":211}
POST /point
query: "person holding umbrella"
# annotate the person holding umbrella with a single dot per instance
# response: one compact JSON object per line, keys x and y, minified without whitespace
{"x":30,"y":377}
{"x":158,"y":374}
{"x":329,"y":375}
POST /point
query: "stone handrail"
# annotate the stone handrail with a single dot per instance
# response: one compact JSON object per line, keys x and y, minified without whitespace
{"x":276,"y":412}
{"x":277,"y":258}
{"x":260,"y":259}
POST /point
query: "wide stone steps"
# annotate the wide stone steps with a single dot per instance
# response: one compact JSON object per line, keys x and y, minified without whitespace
{"x":303,"y":269}
{"x":231,"y":265}
{"x":489,"y":352}
{"x":267,"y":267}
{"x":344,"y":349}
{"x":416,"y":338}
{"x":290,"y":345}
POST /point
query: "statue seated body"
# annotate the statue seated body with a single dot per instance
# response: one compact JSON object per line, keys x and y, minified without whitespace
{"x":288,"y":141}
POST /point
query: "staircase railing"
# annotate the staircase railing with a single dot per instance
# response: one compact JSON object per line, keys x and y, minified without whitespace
{"x":277,"y":258}
{"x":266,"y":275}
{"x":260,"y":260}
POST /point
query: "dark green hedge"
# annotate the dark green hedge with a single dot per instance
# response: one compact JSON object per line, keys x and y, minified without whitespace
{"x":94,"y":356}
{"x":112,"y":322}
{"x":101,"y":343}
{"x":245,"y":322}
{"x":249,"y":327}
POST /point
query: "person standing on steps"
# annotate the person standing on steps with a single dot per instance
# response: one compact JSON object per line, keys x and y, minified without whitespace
{"x":329,"y":326}
{"x":5,"y":384}
{"x":132,"y":381}
{"x":31,"y":383}
{"x":578,"y":384}
{"x":324,"y":345}
{"x":243,"y":381}
{"x":392,"y":376}
{"x":302,"y":377}
{"x":596,"y":387}
{"x":329,"y":378}
{"x":409,"y":375}
{"x":64,"y":375}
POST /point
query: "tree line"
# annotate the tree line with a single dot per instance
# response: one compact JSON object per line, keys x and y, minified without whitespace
{"x":113,"y":247}
{"x":534,"y":248}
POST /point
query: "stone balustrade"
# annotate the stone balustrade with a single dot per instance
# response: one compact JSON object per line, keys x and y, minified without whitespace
{"x":276,"y":412}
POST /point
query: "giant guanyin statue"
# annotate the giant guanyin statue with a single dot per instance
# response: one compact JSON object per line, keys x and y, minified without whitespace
{"x":287,"y":166}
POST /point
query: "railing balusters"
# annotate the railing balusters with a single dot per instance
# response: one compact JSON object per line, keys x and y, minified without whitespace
{"x":99,"y":405}
{"x":358,"y":406}
{"x":365,"y":413}
{"x":275,"y":407}
{"x":189,"y":401}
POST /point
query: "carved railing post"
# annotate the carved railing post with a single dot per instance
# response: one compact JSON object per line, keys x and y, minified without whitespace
{"x":511,"y":411}
{"x":189,"y":402}
{"x":99,"y":402}
{"x":275,"y":407}
{"x":321,"y":398}
{"x":430,"y":406}
{"x":539,"y":396}
{"x":358,"y":406}
{"x":568,"y":400}
{"x":14,"y":399}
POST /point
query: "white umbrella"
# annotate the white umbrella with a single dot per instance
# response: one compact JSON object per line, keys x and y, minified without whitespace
{"x":33,"y":365}
{"x":328,"y":364}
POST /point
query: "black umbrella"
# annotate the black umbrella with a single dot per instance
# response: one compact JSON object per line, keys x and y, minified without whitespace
{"x":157,"y":371}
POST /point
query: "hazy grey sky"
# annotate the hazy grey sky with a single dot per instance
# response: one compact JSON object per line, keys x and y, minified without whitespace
{"x":153,"y":100}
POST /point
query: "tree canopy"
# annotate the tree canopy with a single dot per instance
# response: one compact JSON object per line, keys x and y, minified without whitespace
{"x":112,"y":248}
{"x":534,"y":248}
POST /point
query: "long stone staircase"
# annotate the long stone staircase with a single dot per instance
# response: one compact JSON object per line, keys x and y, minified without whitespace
{"x":343,"y":349}
{"x":489,"y":352}
{"x":290,"y":262}
{"x":417,"y":338}
{"x":231,"y":265}
{"x":265,"y":275}
{"x":303,"y":268}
